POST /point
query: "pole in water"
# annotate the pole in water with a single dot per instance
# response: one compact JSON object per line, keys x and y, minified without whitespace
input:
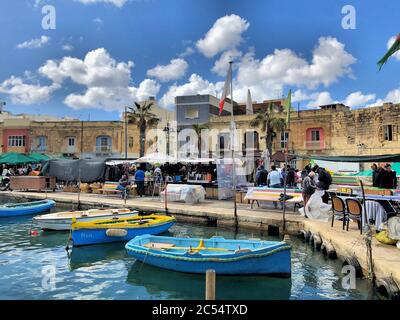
{"x":210,"y":285}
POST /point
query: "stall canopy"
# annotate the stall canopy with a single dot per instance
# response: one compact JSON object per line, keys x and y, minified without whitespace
{"x":156,"y":158}
{"x":39,"y":156}
{"x":83,"y":170}
{"x":376,"y":158}
{"x":13,"y":158}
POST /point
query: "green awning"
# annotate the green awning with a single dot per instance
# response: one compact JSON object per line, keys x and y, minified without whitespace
{"x":13,"y":158}
{"x":39,"y":156}
{"x":377,"y":158}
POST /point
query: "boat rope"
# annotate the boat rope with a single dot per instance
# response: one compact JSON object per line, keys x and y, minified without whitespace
{"x":211,"y":259}
{"x":143,"y":262}
{"x":69,"y":239}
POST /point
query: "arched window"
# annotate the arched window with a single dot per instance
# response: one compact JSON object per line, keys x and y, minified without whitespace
{"x":103,"y":144}
{"x":251,"y":140}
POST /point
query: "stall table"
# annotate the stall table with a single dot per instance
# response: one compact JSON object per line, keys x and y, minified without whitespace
{"x":37,"y":183}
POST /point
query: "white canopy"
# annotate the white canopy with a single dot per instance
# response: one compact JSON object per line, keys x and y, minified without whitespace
{"x":156,"y":158}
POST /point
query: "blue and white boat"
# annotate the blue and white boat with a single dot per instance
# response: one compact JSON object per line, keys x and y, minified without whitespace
{"x":27,"y":208}
{"x":118,"y":229}
{"x":226,"y":257}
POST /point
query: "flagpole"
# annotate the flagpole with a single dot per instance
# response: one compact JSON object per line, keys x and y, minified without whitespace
{"x":287,"y":127}
{"x":233,"y":153}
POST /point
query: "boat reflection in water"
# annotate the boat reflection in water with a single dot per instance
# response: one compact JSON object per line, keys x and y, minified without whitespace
{"x":177,"y":285}
{"x":87,"y":256}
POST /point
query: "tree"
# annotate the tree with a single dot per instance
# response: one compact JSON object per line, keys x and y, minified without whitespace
{"x":141,"y":115}
{"x":269,"y":120}
{"x":197,"y":128}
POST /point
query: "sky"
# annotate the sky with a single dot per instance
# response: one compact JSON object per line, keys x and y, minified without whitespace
{"x":101,"y":55}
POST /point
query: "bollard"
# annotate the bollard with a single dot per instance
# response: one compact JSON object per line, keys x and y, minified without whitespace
{"x":210,"y":285}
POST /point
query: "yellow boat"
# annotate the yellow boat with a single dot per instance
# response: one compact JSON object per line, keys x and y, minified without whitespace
{"x":118,"y":229}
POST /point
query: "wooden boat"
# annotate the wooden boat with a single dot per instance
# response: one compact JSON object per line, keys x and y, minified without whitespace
{"x":27,"y":208}
{"x":118,"y":229}
{"x":63,"y":220}
{"x":227,"y":257}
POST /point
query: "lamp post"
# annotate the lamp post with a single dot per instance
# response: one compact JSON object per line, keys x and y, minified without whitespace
{"x":126,"y":132}
{"x":167,"y":130}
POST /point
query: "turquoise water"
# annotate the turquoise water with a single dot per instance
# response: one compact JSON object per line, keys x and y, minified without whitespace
{"x":106,"y":271}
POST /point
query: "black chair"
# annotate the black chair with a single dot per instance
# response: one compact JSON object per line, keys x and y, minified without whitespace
{"x":339,"y":209}
{"x":354,"y":209}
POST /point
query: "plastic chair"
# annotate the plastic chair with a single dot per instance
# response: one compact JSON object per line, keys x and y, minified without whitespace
{"x":355,"y":211}
{"x":339,"y":209}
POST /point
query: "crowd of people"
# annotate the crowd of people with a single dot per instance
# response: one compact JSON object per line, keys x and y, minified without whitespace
{"x":20,"y":170}
{"x":138,"y":175}
{"x":383,"y":176}
{"x":309,"y":179}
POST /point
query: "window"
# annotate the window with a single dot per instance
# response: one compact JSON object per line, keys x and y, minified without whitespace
{"x":71,"y":142}
{"x":251,"y":140}
{"x":284,"y":139}
{"x":103,"y":144}
{"x":16,"y":141}
{"x":315,"y":135}
{"x":388,"y":132}
{"x":130,"y":142}
{"x":191,"y":113}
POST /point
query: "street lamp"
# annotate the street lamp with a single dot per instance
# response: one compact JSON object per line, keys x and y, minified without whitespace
{"x":167,"y":129}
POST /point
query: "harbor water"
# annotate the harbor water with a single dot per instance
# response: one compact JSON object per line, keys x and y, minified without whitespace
{"x":38,"y":267}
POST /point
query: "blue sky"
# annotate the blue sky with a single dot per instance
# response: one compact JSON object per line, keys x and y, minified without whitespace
{"x":105,"y":54}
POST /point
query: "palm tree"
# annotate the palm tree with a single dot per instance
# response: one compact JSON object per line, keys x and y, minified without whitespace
{"x":197,"y":128}
{"x":269,"y":120}
{"x":141,"y":115}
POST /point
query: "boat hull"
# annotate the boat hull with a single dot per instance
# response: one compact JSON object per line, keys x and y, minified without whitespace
{"x":42,"y":206}
{"x":84,"y":237}
{"x":65,"y":223}
{"x":273,"y":261}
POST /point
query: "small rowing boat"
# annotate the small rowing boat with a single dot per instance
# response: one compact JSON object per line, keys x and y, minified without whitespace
{"x":62,"y":220}
{"x":27,"y":208}
{"x":118,"y":229}
{"x":229,"y":257}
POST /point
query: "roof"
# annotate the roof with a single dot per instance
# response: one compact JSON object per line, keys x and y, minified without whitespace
{"x":279,"y":156}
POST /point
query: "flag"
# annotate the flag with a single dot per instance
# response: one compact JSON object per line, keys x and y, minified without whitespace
{"x":392,"y":50}
{"x":227,"y":89}
{"x":288,"y":106}
{"x":249,"y":103}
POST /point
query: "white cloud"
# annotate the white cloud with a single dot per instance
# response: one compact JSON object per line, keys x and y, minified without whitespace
{"x":172,"y":71}
{"x":390,"y":43}
{"x":107,"y":82}
{"x":321,"y":99}
{"x":357,"y":99}
{"x":188,"y":52}
{"x":25,"y":93}
{"x":68,"y":47}
{"x":226,"y":33}
{"x":196,"y":85}
{"x":393,"y":96}
{"x":34,"y":43}
{"x":221,"y":65}
{"x":117,"y":3}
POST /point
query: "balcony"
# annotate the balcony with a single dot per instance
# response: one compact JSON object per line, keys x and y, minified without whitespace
{"x":103,"y":150}
{"x":40,"y":149}
{"x":314,"y":145}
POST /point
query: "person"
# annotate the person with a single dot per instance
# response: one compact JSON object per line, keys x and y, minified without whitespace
{"x":158,"y":177}
{"x":324,"y":182}
{"x":305,"y":171}
{"x":291,"y":177}
{"x":122,"y":185}
{"x":298,"y":179}
{"x":261,"y":176}
{"x":309,"y":187}
{"x":274,"y":178}
{"x":388,"y":178}
{"x":139,"y":180}
{"x":375,"y":175}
